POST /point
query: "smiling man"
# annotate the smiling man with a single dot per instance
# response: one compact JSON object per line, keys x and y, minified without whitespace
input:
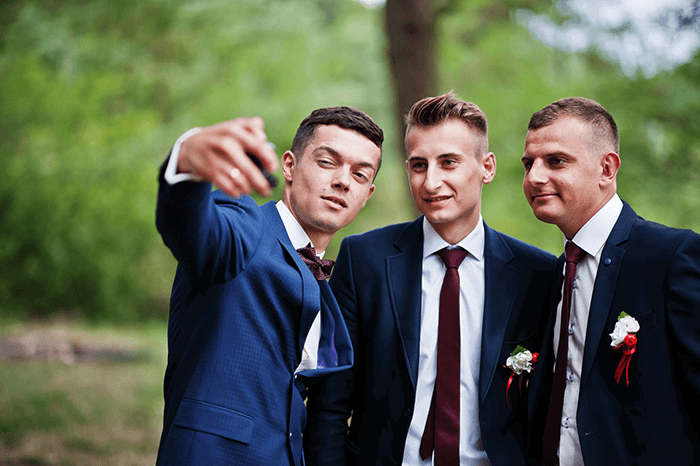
{"x":620,"y":368}
{"x":429,"y":382}
{"x":252,"y":318}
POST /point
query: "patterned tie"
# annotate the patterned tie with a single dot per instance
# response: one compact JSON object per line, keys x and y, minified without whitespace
{"x":321,"y":268}
{"x":550,"y":441}
{"x":442,"y":427}
{"x":327,"y":355}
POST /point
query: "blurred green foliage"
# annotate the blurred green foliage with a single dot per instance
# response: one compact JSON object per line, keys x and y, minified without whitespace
{"x":93,"y":93}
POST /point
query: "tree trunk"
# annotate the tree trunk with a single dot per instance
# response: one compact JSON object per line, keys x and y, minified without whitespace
{"x":410,"y":29}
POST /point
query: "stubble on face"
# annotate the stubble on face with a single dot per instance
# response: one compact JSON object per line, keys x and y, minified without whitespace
{"x":332,"y":179}
{"x":563,"y":174}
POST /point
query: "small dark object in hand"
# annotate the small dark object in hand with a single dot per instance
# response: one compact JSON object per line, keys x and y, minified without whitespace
{"x":268,"y":176}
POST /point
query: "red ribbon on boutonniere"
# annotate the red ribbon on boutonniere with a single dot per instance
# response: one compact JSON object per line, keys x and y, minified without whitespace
{"x":623,"y":337}
{"x":520,"y":360}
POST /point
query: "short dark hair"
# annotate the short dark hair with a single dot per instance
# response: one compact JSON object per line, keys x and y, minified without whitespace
{"x":432,"y":111}
{"x":602,"y":123}
{"x":343,"y":117}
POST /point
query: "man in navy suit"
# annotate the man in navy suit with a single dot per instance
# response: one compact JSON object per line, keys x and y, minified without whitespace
{"x":250,"y":325}
{"x":388,"y":285}
{"x":630,"y":360}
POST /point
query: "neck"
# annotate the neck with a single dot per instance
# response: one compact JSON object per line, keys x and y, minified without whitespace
{"x":452,"y":232}
{"x":319,"y":240}
{"x":571,"y":232}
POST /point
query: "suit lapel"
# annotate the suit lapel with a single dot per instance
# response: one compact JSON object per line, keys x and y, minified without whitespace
{"x":309,"y":286}
{"x":605,"y":284}
{"x":403,"y":275}
{"x":500,"y":275}
{"x":545,"y":364}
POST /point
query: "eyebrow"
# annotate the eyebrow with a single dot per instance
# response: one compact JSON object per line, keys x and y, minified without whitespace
{"x":439,"y":157}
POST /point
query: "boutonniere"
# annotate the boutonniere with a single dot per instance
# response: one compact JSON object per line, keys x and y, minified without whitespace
{"x":520,"y":360}
{"x":623,"y":337}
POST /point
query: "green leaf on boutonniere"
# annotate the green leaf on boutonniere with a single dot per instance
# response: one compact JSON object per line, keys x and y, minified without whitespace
{"x":518,"y":349}
{"x":622,"y":314}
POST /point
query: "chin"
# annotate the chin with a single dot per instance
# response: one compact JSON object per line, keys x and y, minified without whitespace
{"x":546,"y":217}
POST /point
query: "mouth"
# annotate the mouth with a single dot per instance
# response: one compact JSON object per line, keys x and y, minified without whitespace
{"x":436,"y":199}
{"x":541,"y":197}
{"x":335,"y":200}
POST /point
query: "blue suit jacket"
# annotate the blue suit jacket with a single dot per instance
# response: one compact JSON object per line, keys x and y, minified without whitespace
{"x":241,"y":306}
{"x":652,"y":273}
{"x":377,"y":281}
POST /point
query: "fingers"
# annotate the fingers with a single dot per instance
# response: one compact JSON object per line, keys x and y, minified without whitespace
{"x":220,"y":154}
{"x":258,"y":146}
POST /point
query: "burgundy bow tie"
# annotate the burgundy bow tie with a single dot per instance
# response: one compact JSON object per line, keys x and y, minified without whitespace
{"x":321,"y":268}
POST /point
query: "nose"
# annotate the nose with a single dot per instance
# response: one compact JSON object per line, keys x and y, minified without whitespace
{"x":536,"y":175}
{"x":433,"y":181}
{"x":341,"y":179}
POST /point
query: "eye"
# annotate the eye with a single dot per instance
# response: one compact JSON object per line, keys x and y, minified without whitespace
{"x":417,"y":165}
{"x":555,"y":161}
{"x":449,"y":162}
{"x":527,"y":164}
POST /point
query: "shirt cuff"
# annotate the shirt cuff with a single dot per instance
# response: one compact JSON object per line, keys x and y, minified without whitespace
{"x":171,"y":175}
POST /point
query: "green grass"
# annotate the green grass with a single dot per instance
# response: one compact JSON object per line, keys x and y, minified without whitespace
{"x":92,"y":413}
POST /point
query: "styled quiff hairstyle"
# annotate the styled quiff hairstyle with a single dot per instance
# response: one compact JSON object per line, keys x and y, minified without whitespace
{"x":343,"y":117}
{"x":432,"y":111}
{"x":602,"y":124}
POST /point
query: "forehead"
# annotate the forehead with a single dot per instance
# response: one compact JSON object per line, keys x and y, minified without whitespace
{"x":565,"y":135}
{"x":344,"y":143}
{"x":448,"y":137}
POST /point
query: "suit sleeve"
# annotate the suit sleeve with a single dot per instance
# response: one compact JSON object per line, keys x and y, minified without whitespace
{"x":683,"y":310}
{"x":330,"y":402}
{"x":210,"y":234}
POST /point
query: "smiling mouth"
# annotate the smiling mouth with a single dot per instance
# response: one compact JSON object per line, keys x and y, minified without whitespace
{"x":543,"y":196}
{"x":436,"y":199}
{"x":335,"y":200}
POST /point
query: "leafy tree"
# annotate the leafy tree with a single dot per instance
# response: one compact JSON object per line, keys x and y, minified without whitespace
{"x":92,"y":95}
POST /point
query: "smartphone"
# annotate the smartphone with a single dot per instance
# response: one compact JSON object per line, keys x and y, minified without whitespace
{"x":268,"y":176}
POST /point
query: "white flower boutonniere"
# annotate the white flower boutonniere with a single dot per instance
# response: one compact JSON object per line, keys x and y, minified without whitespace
{"x":520,"y":360}
{"x":623,"y":337}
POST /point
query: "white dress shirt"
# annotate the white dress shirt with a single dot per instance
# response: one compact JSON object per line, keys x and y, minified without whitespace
{"x":471,"y":315}
{"x":297,"y":236}
{"x":591,"y":238}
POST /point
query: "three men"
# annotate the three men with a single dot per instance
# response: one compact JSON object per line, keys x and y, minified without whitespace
{"x":250,"y":325}
{"x":624,"y":341}
{"x":429,"y":379}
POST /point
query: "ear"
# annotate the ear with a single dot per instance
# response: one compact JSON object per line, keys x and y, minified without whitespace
{"x":289,"y":163}
{"x":371,"y":191}
{"x":610,"y":164}
{"x":488,"y":162}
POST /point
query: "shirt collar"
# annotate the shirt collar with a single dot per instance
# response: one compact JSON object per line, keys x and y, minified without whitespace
{"x":593,"y":235}
{"x":473,"y":243}
{"x":296,"y":233}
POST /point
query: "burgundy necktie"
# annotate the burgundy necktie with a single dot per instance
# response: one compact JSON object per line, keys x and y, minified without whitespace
{"x":442,"y":427}
{"x":550,"y":441}
{"x":321,"y":268}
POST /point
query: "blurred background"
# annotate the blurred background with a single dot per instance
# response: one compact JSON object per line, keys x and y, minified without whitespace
{"x":93,"y":94}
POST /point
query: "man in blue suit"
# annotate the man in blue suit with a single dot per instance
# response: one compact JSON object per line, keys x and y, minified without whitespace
{"x":250,"y":324}
{"x":388,"y":285}
{"x":619,"y":384}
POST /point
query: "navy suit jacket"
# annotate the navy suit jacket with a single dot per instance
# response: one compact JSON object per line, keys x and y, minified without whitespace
{"x":241,"y":306}
{"x":652,"y":273}
{"x":377,"y":281}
